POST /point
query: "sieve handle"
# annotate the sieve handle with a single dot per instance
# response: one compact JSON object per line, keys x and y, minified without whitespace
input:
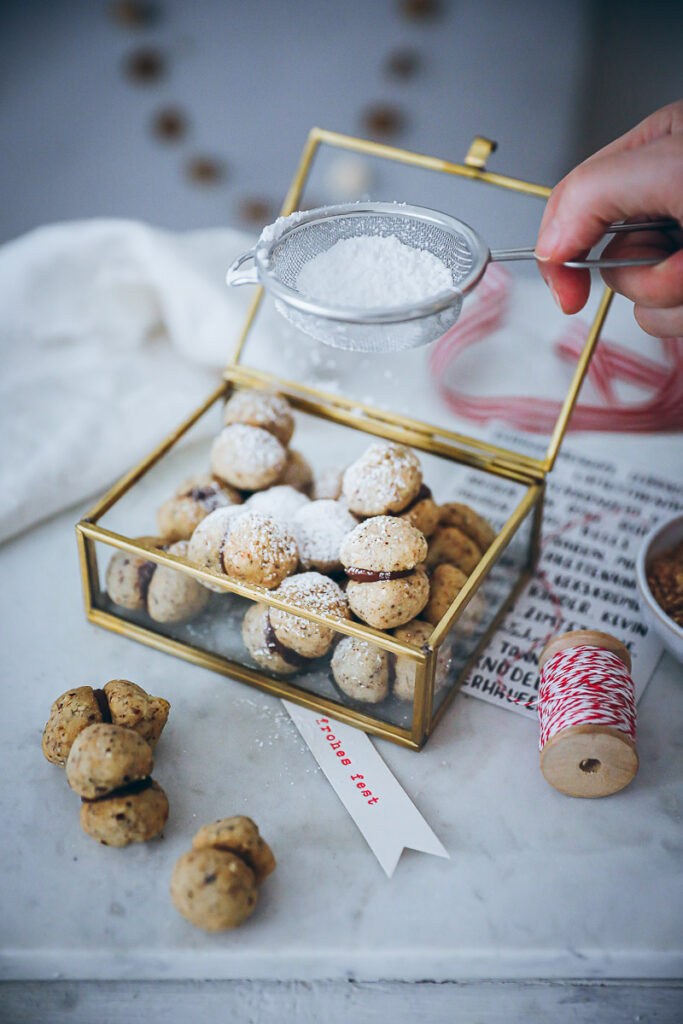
{"x":501,"y":255}
{"x":234,"y":278}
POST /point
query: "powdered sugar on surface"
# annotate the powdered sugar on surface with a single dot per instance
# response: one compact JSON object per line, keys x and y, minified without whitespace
{"x":373,"y":272}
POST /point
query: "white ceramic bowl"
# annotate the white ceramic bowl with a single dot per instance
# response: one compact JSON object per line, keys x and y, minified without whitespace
{"x":664,"y":536}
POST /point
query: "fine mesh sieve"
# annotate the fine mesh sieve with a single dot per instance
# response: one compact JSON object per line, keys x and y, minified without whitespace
{"x":286,"y":246}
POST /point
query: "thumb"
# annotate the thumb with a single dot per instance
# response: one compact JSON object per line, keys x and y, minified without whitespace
{"x":641,"y":182}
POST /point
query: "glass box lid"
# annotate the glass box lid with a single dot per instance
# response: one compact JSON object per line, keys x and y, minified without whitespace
{"x":501,"y":384}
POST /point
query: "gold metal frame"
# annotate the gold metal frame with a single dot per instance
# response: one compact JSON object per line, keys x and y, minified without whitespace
{"x":447,"y":444}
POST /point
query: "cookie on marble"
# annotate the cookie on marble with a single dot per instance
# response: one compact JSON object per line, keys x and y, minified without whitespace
{"x":297,"y":472}
{"x":423,"y":513}
{"x":70,"y":714}
{"x":105,"y":757}
{"x":258,"y":549}
{"x":450,"y":544}
{"x":238,"y":835}
{"x":133,"y":708}
{"x":134,"y":814}
{"x":249,"y":458}
{"x":316,"y":593}
{"x":192,"y":501}
{"x":328,"y":484}
{"x":454,"y":513}
{"x":383,"y":481}
{"x":446,"y":582}
{"x":320,"y":528}
{"x":381,"y":557}
{"x":281,"y":501}
{"x":361,"y":670}
{"x":213,"y":889}
{"x":121,"y":702}
{"x":257,"y":408}
{"x":416,"y":633}
{"x":264,"y":647}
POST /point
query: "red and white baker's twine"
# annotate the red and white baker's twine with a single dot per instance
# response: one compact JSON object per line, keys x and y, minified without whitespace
{"x":663,"y":410}
{"x":585,"y":686}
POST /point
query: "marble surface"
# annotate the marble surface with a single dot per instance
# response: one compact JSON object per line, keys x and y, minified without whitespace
{"x":538,"y":885}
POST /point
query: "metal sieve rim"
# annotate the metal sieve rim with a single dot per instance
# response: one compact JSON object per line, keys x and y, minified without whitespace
{"x":355,"y":315}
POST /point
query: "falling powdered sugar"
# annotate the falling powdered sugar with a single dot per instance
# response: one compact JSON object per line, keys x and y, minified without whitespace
{"x":373,"y":272}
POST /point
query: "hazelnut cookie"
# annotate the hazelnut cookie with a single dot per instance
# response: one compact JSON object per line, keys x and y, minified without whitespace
{"x":383,"y":481}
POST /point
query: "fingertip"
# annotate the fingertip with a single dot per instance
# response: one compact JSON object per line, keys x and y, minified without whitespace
{"x":548,"y":239}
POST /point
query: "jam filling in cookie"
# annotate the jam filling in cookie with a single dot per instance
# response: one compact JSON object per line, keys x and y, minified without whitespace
{"x":276,"y":646}
{"x":210,"y":497}
{"x":138,"y":786}
{"x":369,"y":576}
{"x":103,"y":704}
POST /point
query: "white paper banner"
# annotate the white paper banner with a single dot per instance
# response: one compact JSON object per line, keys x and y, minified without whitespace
{"x":382,"y":810}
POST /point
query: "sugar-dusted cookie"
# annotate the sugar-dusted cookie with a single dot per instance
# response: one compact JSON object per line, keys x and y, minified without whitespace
{"x":453,"y":513}
{"x":320,"y":527}
{"x":389,"y":603}
{"x":193,"y":500}
{"x":328,"y":483}
{"x":249,"y":458}
{"x":382,"y":545}
{"x":381,"y":558}
{"x":281,"y":502}
{"x":259,"y":549}
{"x":259,"y":408}
{"x":316,"y":593}
{"x":361,"y":670}
{"x":205,"y":546}
{"x":383,"y":481}
{"x":247,"y":545}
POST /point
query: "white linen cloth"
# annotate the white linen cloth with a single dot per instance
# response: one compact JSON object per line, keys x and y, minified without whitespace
{"x":110,"y":332}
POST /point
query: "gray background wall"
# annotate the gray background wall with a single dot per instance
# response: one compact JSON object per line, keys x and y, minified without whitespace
{"x":550,"y":81}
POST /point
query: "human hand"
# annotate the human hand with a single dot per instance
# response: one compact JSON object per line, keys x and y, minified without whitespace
{"x":636,"y":177}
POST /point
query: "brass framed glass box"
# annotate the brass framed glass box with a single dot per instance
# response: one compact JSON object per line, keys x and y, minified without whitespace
{"x":343,"y":425}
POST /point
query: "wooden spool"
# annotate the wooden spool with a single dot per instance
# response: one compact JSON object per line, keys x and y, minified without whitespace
{"x":588,"y":760}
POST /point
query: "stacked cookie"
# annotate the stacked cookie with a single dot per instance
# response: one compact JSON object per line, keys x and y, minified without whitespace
{"x":105,"y":739}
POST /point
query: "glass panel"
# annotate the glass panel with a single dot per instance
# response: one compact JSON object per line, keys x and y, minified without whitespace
{"x":361,"y":675}
{"x":518,"y":346}
{"x":469,"y":629}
